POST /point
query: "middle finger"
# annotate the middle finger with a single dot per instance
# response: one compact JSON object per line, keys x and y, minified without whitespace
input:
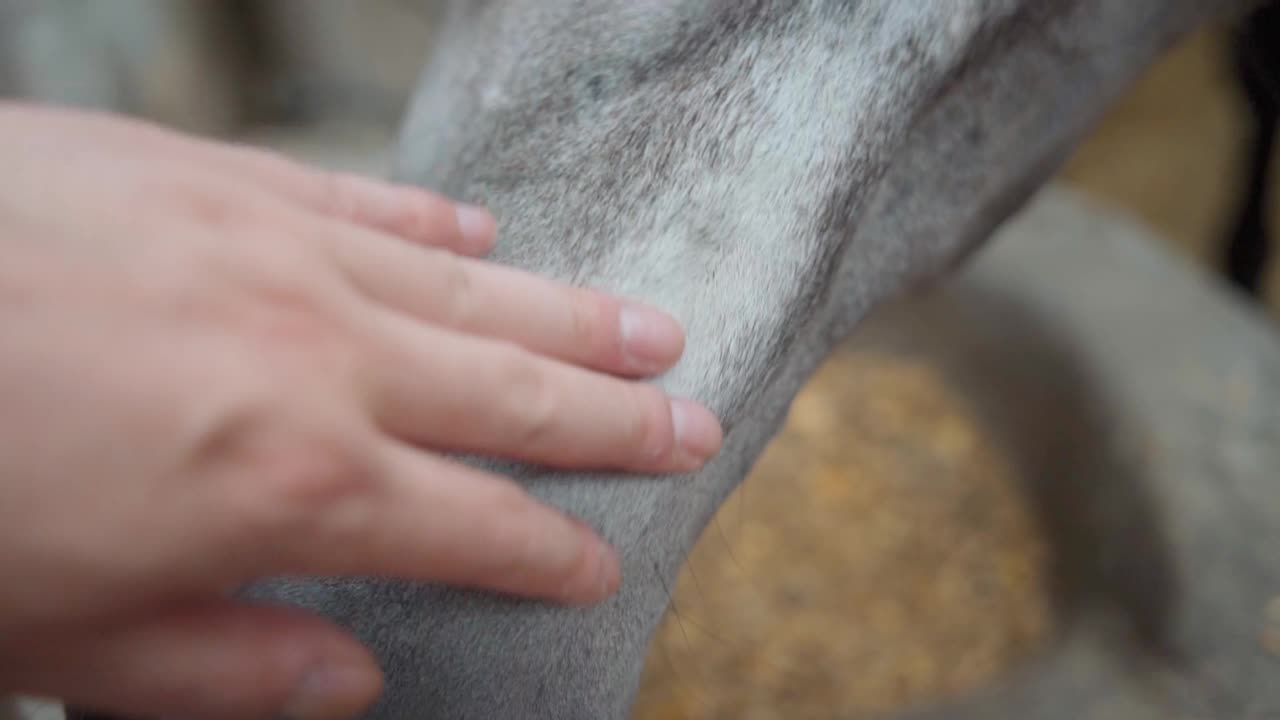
{"x":448,"y":390}
{"x":571,"y":324}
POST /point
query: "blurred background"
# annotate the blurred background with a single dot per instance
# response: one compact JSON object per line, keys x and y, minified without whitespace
{"x":836,"y":581}
{"x":330,"y":78}
{"x":323,"y":78}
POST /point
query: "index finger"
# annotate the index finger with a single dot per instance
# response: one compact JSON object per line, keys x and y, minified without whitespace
{"x":407,"y":212}
{"x":571,"y":324}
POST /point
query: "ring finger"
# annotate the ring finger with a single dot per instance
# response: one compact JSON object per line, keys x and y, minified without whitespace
{"x":571,"y":324}
{"x":442,"y":389}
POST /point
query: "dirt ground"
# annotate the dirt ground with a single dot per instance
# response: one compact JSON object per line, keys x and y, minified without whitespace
{"x":844,"y":579}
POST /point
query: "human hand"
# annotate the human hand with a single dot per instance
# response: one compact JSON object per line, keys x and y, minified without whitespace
{"x":217,"y":365}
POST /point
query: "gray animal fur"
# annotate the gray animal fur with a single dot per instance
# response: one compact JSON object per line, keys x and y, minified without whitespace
{"x":767,"y":170}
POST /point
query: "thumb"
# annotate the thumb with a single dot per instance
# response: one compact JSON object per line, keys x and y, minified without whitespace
{"x":215,"y":661}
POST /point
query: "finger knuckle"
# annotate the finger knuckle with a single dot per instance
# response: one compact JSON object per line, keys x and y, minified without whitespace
{"x":412,"y":215}
{"x":263,"y":251}
{"x":649,"y":432}
{"x":313,"y":472}
{"x":429,"y":215}
{"x":208,"y":205}
{"x":304,"y":480}
{"x":458,"y":282}
{"x":585,"y":326}
{"x":532,"y":404}
{"x":333,"y":195}
{"x":286,"y":322}
{"x":295,"y":327}
{"x":214,"y":210}
{"x":510,"y":529}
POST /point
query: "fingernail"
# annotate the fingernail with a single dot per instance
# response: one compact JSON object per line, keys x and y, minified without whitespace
{"x":698,"y":433}
{"x":336,"y":692}
{"x":651,"y":340}
{"x":478,"y":227}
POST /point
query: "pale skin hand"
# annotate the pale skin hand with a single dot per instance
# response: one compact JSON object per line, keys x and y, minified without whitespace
{"x":217,"y":365}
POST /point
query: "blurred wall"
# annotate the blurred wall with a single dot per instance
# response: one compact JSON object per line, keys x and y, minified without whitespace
{"x":350,"y":57}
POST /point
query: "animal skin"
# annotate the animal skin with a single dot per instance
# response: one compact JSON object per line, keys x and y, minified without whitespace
{"x":767,"y":171}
